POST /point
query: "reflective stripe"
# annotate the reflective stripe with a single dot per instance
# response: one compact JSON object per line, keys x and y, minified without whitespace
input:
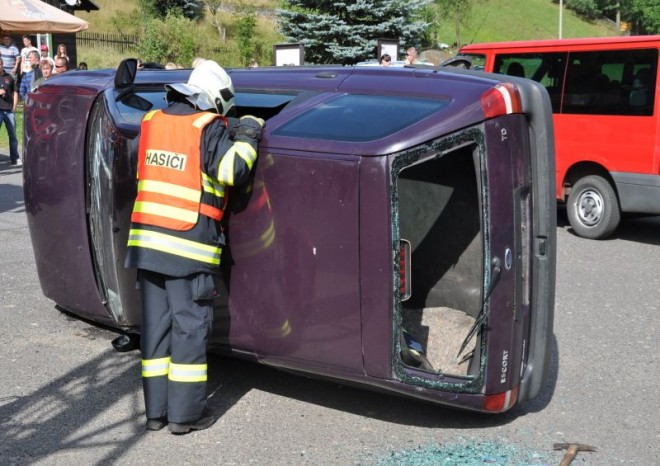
{"x":282,"y":331}
{"x":170,"y":189}
{"x":164,"y":210}
{"x":246,"y":152}
{"x":155,"y":367}
{"x":148,"y":116}
{"x":226,"y":168}
{"x":255,"y":246}
{"x":212,"y":187}
{"x":204,"y":119}
{"x":173,"y":245}
{"x":188,"y":372}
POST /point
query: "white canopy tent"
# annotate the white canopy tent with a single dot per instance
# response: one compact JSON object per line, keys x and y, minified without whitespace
{"x":35,"y":16}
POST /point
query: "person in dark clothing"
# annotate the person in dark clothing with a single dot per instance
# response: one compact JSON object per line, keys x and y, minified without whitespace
{"x":8,"y":103}
{"x":189,"y":155}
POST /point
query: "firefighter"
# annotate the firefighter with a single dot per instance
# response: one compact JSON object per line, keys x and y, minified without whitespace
{"x":189,"y":154}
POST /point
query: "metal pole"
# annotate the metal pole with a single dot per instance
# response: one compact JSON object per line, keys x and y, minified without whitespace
{"x":561,"y":17}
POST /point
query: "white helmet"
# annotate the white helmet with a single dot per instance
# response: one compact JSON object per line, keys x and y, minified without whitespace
{"x":208,"y":88}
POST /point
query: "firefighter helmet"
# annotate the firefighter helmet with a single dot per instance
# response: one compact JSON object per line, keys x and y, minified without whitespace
{"x":209,"y":87}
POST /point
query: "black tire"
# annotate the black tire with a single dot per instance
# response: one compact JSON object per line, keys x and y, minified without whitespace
{"x":593,"y":208}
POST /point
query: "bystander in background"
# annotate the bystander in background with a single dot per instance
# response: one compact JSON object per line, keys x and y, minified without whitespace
{"x":82,"y":65}
{"x":411,"y":56}
{"x":46,"y":67}
{"x":26,"y":66}
{"x":61,"y":64}
{"x":8,"y":103}
{"x":61,"y":51}
{"x":29,"y":77}
{"x":11,"y":56}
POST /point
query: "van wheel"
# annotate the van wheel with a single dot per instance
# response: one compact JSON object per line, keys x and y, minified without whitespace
{"x":593,"y":208}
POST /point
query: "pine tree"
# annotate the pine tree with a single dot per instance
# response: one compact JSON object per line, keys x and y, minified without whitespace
{"x":348,"y":32}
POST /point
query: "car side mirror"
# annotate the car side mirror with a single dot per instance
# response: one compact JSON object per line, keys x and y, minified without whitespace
{"x":126,"y":71}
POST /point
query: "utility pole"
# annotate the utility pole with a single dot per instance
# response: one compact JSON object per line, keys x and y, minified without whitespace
{"x":561,"y":17}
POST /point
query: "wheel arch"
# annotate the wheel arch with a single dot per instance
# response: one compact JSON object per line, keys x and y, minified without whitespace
{"x":580,"y":170}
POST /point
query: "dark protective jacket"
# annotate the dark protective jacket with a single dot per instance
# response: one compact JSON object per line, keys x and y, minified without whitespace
{"x":166,"y":235}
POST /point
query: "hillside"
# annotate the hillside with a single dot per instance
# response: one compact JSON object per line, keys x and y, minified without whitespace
{"x":505,"y":20}
{"x":491,"y":20}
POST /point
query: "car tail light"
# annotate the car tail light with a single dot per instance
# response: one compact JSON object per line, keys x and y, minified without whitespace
{"x":502,"y":99}
{"x":404,"y":269}
{"x":501,"y":402}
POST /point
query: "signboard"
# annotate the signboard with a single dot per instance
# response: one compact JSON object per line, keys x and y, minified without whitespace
{"x":289,"y":54}
{"x":390,"y":47}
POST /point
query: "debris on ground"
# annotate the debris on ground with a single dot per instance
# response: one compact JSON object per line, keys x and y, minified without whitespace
{"x":466,"y":454}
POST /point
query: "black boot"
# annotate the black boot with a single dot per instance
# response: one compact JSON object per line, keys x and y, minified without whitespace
{"x":157,"y":423}
{"x":204,"y":422}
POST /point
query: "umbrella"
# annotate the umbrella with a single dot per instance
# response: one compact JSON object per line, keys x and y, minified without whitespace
{"x":35,"y":16}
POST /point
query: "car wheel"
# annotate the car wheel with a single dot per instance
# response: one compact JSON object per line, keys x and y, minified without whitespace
{"x":593,"y":208}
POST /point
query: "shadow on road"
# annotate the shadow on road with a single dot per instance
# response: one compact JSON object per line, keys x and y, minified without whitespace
{"x":67,"y":413}
{"x":71,"y":412}
{"x":242,"y":377}
{"x":632,"y":228}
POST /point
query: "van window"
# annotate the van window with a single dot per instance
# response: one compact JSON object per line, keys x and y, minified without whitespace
{"x":360,"y":118}
{"x":617,"y":82}
{"x":478,"y":61}
{"x":545,"y":68}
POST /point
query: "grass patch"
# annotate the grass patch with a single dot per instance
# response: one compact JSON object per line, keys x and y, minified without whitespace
{"x":508,"y":20}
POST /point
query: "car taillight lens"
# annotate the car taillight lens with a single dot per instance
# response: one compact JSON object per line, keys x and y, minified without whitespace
{"x":502,"y":99}
{"x":404,"y":269}
{"x":501,"y":402}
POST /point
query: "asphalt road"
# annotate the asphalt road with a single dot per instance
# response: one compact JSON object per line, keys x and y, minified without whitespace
{"x":66,"y":397}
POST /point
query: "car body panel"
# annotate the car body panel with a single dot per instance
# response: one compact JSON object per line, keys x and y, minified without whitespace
{"x":309,"y":281}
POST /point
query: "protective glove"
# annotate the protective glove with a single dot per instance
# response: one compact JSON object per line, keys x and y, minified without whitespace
{"x":248,"y":127}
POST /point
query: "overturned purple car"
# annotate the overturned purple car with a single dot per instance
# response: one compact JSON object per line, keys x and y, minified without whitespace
{"x":398,"y":232}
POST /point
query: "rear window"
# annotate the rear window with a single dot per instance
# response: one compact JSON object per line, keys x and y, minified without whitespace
{"x":360,"y":118}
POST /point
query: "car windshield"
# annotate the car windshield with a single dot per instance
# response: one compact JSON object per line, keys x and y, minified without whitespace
{"x":133,"y":106}
{"x":360,"y":118}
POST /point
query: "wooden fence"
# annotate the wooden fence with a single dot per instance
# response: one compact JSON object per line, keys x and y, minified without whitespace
{"x":119,"y":42}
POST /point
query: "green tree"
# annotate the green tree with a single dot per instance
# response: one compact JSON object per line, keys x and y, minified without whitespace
{"x":348,"y":32}
{"x":214,"y":7}
{"x":245,"y":26}
{"x":457,"y":12}
{"x":172,"y":39}
{"x":645,"y":15}
{"x":191,"y":9}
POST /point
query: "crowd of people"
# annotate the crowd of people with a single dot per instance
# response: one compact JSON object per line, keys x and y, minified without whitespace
{"x":30,"y":66}
{"x":22,"y":71}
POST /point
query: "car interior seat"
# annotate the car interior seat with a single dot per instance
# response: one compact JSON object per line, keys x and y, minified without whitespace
{"x":515,"y":69}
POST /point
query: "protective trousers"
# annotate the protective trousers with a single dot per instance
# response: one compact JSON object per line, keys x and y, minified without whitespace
{"x":177,"y":314}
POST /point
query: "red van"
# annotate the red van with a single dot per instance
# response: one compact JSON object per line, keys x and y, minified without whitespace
{"x":605,"y":111}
